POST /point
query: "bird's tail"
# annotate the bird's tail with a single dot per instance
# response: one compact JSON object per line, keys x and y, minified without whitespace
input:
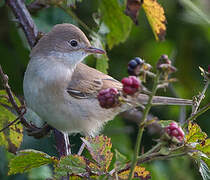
{"x":161,"y":100}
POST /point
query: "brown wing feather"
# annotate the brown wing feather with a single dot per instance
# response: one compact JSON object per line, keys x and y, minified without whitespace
{"x":88,"y":82}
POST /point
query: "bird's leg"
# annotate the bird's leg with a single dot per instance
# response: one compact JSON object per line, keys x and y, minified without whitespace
{"x":82,"y":147}
{"x":67,"y":144}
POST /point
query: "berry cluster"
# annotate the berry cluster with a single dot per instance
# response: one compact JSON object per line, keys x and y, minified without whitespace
{"x":173,"y":130}
{"x":209,"y":69}
{"x":164,"y":64}
{"x":134,"y":66}
{"x":108,"y":98}
{"x":131,"y":85}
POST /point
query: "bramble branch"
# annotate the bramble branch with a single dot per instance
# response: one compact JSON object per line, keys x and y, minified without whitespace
{"x":20,"y":11}
{"x":141,"y":127}
{"x":26,"y":22}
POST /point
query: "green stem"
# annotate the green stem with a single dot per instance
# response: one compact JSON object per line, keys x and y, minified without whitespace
{"x":201,"y":97}
{"x":74,"y":16}
{"x":142,"y":125}
{"x":154,"y":149}
{"x":158,"y":156}
{"x":201,"y":111}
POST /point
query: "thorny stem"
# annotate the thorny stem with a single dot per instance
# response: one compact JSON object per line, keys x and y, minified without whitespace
{"x":4,"y":78}
{"x":10,"y":124}
{"x":199,"y":112}
{"x":142,"y":125}
{"x":200,"y":98}
{"x":158,"y":156}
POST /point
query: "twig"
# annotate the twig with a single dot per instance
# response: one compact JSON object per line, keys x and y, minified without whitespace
{"x":36,"y":6}
{"x":74,"y":16}
{"x":26,"y":22}
{"x":200,"y":98}
{"x":4,"y":78}
{"x":159,"y":156}
{"x":198,"y":113}
{"x":31,"y":32}
{"x":14,"y":120}
{"x":141,"y":128}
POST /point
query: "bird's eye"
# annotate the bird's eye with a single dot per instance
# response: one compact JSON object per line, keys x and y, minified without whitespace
{"x":73,"y":43}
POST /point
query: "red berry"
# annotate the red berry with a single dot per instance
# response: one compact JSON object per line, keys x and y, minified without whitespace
{"x":108,"y":98}
{"x":173,"y":130}
{"x":130,"y":85}
{"x":173,"y":125}
{"x":209,"y":68}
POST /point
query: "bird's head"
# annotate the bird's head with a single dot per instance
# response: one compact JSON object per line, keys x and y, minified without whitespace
{"x":65,"y":41}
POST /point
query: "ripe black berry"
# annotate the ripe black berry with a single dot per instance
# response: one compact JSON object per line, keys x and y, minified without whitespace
{"x":134,"y":66}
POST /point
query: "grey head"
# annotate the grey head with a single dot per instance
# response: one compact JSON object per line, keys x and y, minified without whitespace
{"x":64,"y":39}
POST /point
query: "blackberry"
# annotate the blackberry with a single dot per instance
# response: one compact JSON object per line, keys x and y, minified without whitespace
{"x":134,"y":66}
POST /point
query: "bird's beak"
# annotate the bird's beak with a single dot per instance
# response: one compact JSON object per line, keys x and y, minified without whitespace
{"x":93,"y":50}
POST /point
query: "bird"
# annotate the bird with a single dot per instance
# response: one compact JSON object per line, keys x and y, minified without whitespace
{"x":62,"y":90}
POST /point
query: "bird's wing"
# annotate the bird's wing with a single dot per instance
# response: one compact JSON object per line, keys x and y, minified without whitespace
{"x":87,"y":83}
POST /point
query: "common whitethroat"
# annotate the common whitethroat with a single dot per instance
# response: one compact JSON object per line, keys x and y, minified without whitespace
{"x":62,"y":90}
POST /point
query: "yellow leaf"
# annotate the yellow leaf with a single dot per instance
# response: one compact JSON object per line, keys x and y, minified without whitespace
{"x":156,"y":17}
{"x":138,"y":172}
{"x":11,"y":137}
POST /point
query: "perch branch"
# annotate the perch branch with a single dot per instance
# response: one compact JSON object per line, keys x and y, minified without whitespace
{"x":31,"y":32}
{"x":26,"y":22}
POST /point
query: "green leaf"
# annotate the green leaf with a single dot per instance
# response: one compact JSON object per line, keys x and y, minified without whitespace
{"x":195,"y":133}
{"x":114,"y":18}
{"x":11,"y":137}
{"x":191,"y":6}
{"x":72,"y":164}
{"x":4,"y":99}
{"x":28,"y":159}
{"x":102,"y":60}
{"x":204,"y":168}
{"x":100,"y":150}
{"x":204,"y":146}
{"x":42,"y":173}
{"x":102,"y":64}
{"x":121,"y":160}
{"x":164,"y":123}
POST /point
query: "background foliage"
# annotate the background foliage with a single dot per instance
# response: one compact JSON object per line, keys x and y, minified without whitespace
{"x":187,"y":44}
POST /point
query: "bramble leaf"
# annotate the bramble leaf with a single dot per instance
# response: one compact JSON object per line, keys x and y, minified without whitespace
{"x":156,"y":17}
{"x":121,"y":160}
{"x":100,"y":150}
{"x":204,"y":147}
{"x":139,"y":172}
{"x":204,"y":168}
{"x":28,"y":159}
{"x":117,"y":22}
{"x":11,"y":137}
{"x":4,"y":99}
{"x":72,"y":164}
{"x":102,"y":60}
{"x":195,"y":133}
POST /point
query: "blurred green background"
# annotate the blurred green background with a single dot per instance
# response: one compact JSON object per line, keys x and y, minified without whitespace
{"x":187,"y":44}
